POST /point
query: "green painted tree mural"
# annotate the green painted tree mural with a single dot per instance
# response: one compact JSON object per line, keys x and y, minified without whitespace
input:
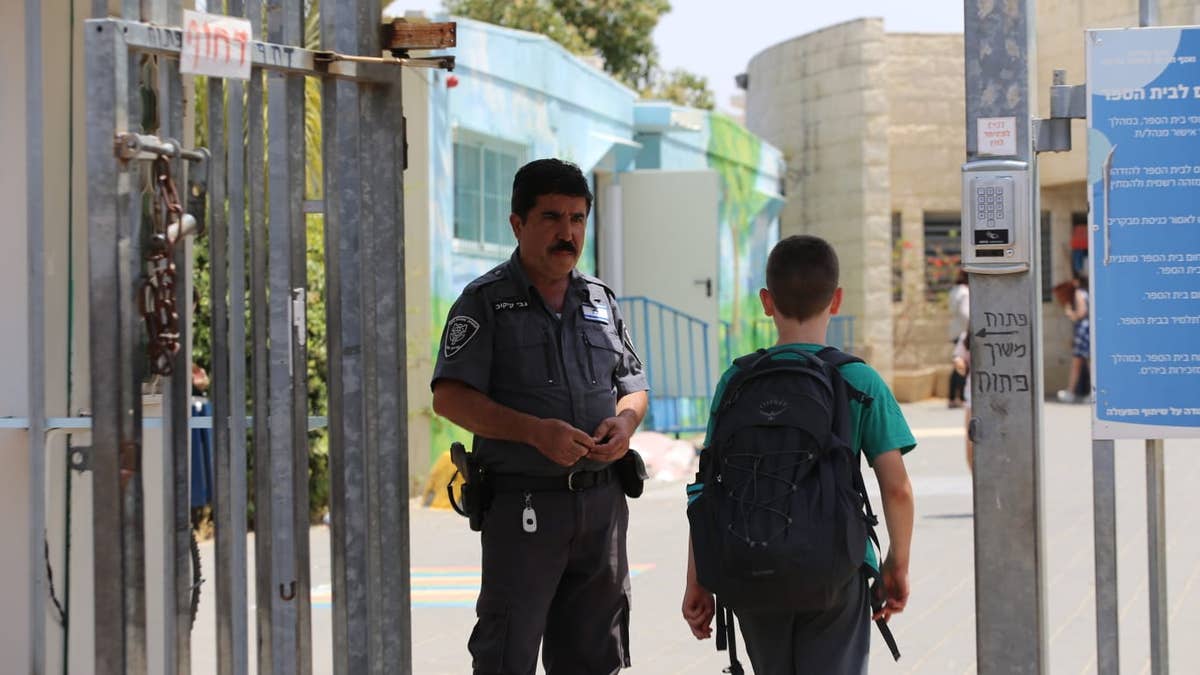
{"x":735,"y":153}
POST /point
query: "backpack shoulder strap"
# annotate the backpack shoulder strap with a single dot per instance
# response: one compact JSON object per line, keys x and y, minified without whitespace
{"x":761,"y":362}
{"x":749,"y":361}
{"x":838,"y":358}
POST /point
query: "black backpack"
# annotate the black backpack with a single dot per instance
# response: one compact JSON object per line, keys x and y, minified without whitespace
{"x":783,"y":519}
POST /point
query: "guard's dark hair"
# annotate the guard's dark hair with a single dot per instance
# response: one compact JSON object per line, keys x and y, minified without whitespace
{"x":547,"y":177}
{"x":802,"y":275}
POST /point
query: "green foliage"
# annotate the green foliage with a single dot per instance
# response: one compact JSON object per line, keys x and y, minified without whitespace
{"x":317,"y":358}
{"x":620,"y":32}
{"x":682,"y":87}
{"x":538,"y":16}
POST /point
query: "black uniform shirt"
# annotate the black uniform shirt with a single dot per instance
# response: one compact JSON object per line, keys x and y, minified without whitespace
{"x":503,"y":340}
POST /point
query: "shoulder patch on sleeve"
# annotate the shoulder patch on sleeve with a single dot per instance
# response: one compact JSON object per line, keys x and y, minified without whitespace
{"x":459,"y":332}
{"x":597,"y":282}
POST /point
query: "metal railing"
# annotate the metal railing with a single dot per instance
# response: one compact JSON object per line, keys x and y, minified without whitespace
{"x":674,"y":349}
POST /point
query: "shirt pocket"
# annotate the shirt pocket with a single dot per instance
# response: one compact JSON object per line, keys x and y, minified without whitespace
{"x":526,"y":358}
{"x":602,"y":352}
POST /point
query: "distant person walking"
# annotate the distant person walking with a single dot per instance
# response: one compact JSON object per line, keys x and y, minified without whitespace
{"x":960,"y":318}
{"x":1081,"y":342}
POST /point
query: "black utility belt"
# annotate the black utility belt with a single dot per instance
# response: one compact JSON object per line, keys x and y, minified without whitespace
{"x":576,"y":481}
{"x":479,"y":485}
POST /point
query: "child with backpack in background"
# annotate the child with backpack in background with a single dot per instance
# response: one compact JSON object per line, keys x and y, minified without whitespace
{"x":782,"y":531}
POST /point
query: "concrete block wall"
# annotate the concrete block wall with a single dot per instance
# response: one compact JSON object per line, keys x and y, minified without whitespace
{"x":821,"y":98}
{"x":1060,"y":30}
{"x":926,"y":144}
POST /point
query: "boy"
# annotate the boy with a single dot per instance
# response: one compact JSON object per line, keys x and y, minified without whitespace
{"x":802,"y":293}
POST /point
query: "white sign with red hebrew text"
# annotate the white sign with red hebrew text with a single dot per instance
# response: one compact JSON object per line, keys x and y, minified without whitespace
{"x":997,"y":136}
{"x":215,"y":45}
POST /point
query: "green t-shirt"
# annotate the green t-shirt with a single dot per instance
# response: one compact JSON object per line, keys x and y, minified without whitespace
{"x":877,"y":428}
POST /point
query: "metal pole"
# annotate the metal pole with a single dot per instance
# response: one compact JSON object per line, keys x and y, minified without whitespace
{"x":36,"y":314}
{"x":1147,"y":13}
{"x":256,"y":149}
{"x":1104,"y":509}
{"x":177,"y":404}
{"x":393,"y":631}
{"x":299,"y":384}
{"x":344,"y":306}
{"x":1155,"y":498}
{"x":372,"y":241}
{"x":1009,"y":584}
{"x":232,"y":629}
{"x":1156,"y":532}
{"x":223,"y":468}
{"x":108,"y":190}
{"x":286,"y":591}
{"x":260,"y":361}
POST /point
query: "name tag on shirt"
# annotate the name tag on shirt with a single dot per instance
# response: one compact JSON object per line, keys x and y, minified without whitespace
{"x":597,"y":313}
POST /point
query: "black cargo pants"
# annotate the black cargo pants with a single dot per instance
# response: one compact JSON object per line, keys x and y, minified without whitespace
{"x":565,"y":585}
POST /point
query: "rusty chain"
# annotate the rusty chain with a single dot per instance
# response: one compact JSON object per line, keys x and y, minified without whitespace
{"x":156,"y":300}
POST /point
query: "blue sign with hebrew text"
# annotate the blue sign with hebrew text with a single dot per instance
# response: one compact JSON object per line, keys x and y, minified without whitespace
{"x":1144,"y":186}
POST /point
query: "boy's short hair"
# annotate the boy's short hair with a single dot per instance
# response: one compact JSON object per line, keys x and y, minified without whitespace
{"x":802,"y":275}
{"x":547,"y":177}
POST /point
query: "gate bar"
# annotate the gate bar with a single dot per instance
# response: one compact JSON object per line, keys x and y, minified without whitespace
{"x":219,"y":256}
{"x":109,"y":188}
{"x":36,"y":316}
{"x":288,"y":633}
{"x":273,"y":56}
{"x":348,"y":414}
{"x":173,"y":615}
{"x":232,"y":628}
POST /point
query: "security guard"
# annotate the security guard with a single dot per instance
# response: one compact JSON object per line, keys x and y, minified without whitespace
{"x":535,"y":360}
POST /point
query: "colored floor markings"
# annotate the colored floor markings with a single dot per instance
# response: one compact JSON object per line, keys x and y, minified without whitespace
{"x":442,"y":586}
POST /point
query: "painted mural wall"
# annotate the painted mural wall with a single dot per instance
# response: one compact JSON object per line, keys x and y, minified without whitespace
{"x":517,"y":96}
{"x":750,"y":202}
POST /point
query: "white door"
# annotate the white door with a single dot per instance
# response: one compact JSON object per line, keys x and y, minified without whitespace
{"x":670,"y":250}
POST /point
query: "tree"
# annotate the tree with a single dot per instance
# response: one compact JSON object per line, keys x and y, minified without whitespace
{"x":682,"y":87}
{"x":620,"y":32}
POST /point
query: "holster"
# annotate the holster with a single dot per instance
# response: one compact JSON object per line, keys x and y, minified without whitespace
{"x":631,"y":471}
{"x":476,"y":495}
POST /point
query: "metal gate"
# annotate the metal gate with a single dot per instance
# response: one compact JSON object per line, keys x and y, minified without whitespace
{"x":253,"y":172}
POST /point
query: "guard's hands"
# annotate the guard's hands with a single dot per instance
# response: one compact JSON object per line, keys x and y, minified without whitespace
{"x":698,"y":610}
{"x":894,"y":590}
{"x":560,"y":442}
{"x":612,"y":438}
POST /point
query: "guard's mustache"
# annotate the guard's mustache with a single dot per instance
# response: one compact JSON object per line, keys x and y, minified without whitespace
{"x":567,"y":246}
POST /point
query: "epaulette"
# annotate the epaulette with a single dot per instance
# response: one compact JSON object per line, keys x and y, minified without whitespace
{"x":598,"y":282}
{"x":497,"y":273}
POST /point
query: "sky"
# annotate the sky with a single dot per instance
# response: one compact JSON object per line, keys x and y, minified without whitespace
{"x":717,"y":38}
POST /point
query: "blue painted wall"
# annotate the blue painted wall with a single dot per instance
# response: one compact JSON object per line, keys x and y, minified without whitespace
{"x":524,"y":92}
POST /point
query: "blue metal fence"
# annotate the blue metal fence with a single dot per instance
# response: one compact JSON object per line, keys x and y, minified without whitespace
{"x":674,"y":348}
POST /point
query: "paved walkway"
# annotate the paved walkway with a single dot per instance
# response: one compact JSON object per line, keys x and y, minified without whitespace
{"x":936,"y":634}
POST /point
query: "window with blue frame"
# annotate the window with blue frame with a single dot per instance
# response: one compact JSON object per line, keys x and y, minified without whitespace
{"x":483,"y":174}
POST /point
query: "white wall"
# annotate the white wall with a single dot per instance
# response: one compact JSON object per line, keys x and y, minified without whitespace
{"x":58,"y":199}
